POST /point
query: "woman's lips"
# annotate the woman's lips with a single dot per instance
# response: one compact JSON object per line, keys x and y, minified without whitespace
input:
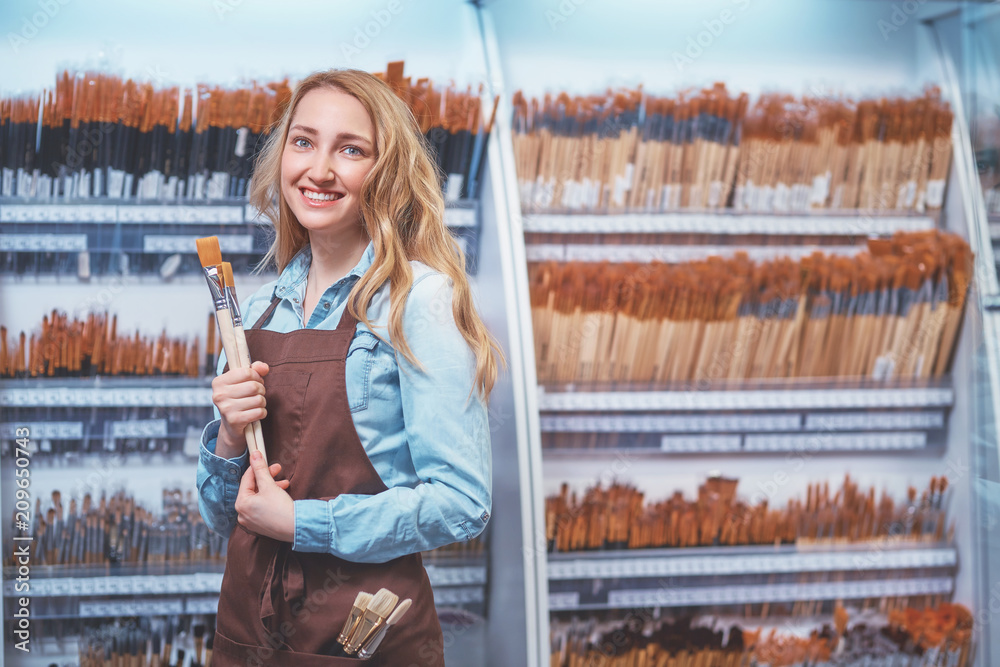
{"x":318,"y":203}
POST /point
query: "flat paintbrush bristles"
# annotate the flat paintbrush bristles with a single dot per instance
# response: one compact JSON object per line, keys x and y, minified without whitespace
{"x":209,"y":252}
{"x":382,"y":603}
{"x":373,"y":619}
{"x":227,"y":274}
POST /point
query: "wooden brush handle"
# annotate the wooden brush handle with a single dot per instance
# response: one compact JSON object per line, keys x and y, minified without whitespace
{"x":228,"y":336}
{"x":244,"y":360}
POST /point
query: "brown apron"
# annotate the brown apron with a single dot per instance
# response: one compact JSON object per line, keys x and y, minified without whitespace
{"x":285,"y":608}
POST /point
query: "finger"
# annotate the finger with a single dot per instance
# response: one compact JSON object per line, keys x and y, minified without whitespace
{"x":238,"y":375}
{"x":261,"y":368}
{"x":260,"y":470}
{"x":248,"y":483}
{"x":283,"y":484}
{"x":274,"y":469}
{"x":246,"y":404}
{"x":242,"y":389}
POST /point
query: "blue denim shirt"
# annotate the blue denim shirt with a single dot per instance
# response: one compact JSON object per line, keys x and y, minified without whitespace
{"x":428,"y":441}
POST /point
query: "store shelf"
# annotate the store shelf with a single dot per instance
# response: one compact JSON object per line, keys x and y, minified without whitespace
{"x":91,"y":594}
{"x":114,"y":585}
{"x":741,"y":561}
{"x":754,"y":421}
{"x":741,"y":423}
{"x":43,"y":242}
{"x":760,"y":399}
{"x":554,"y":252}
{"x":103,"y":392}
{"x":460,"y":215}
{"x":67,"y":581}
{"x":839,"y":223}
{"x":753,"y":594}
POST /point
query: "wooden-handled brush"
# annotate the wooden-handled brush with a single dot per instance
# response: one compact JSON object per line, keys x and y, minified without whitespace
{"x":242,"y":351}
{"x":211,"y":261}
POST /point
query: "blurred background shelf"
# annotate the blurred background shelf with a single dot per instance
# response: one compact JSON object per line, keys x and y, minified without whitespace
{"x":750,"y":594}
{"x":835,"y":223}
{"x":735,"y":561}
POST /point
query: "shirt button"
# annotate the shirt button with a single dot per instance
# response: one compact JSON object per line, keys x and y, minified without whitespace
{"x":326,"y":305}
{"x":232,"y":471}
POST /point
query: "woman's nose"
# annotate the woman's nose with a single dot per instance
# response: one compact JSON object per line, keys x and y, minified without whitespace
{"x":321,"y":168}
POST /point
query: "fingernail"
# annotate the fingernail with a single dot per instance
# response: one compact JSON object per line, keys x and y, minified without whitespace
{"x":255,"y":456}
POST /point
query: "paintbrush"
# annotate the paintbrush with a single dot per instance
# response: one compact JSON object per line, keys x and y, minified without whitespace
{"x":372,"y":644}
{"x":354,"y":619}
{"x":211,"y":260}
{"x":372,"y":619}
{"x":241,"y":340}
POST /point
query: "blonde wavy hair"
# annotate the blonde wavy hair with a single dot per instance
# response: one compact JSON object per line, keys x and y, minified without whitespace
{"x":402,"y":209}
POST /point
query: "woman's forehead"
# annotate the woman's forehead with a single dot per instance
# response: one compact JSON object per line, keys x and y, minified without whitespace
{"x":330,"y":110}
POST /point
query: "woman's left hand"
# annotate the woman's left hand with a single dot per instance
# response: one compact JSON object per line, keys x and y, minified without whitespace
{"x":263,"y":505}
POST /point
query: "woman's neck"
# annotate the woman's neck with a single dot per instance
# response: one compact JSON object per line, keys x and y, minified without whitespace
{"x":333,"y":258}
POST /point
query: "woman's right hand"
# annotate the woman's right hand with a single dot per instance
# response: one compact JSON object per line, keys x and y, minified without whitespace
{"x":239,"y":395}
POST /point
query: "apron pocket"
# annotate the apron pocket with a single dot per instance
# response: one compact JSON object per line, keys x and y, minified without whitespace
{"x":285,"y":391}
{"x":230,"y":653}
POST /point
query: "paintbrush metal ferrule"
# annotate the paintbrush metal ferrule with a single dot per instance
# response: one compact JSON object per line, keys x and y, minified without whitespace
{"x":233,"y":306}
{"x":215,"y":285}
{"x":350,"y":625}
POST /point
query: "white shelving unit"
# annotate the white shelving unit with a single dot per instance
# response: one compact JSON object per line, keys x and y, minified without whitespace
{"x":907,"y":434}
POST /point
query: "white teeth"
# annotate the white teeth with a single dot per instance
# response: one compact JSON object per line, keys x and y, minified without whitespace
{"x":316,"y":196}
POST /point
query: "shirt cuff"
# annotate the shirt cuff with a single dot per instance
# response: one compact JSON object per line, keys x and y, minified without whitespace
{"x":313,"y":526}
{"x":216,"y":465}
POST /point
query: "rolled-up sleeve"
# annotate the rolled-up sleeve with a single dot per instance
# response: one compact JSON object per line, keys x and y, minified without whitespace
{"x":448,"y":436}
{"x":218,"y":481}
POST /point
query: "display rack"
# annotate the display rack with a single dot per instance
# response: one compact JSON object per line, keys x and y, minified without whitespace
{"x":708,"y":428}
{"x":148,"y":233}
{"x":186,"y":588}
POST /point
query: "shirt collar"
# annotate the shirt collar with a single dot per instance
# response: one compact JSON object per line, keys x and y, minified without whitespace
{"x":293,"y":278}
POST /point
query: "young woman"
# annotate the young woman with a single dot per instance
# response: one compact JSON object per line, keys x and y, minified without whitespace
{"x":371,"y":374}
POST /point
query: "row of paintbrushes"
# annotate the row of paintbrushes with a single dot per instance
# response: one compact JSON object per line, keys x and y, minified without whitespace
{"x":101,"y":136}
{"x":629,"y":151}
{"x":144,"y":645}
{"x":369,"y":621}
{"x":118,"y":531}
{"x":621,"y":517}
{"x":891,"y":312}
{"x":931,"y":637}
{"x":92,"y":346}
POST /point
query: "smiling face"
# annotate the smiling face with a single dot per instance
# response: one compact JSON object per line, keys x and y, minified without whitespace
{"x":329,"y":151}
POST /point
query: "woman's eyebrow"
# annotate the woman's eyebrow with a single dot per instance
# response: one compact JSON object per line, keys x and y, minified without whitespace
{"x":354,"y":137}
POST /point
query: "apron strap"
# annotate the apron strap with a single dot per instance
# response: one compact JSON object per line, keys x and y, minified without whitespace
{"x":263,"y":319}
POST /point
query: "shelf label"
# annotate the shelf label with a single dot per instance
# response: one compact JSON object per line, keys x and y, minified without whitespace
{"x":139,"y":428}
{"x":561,"y":601}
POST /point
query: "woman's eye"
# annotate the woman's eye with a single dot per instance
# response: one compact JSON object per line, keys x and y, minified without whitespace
{"x":355,"y":151}
{"x":301,"y":142}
